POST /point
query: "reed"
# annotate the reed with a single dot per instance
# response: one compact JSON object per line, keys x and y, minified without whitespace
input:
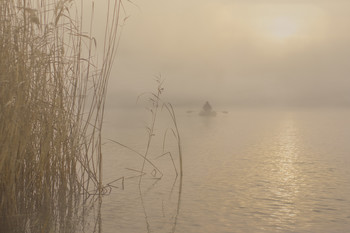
{"x":52,"y":97}
{"x":162,"y":141}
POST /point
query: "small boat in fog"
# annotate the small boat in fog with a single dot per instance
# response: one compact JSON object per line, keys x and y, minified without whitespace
{"x":207,"y":110}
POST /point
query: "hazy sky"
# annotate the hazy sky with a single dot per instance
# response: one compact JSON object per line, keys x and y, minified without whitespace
{"x":235,"y":52}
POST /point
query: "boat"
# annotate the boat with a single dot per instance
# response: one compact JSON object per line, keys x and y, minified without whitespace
{"x":207,"y":110}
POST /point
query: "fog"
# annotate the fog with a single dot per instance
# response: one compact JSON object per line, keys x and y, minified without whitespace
{"x":239,"y":53}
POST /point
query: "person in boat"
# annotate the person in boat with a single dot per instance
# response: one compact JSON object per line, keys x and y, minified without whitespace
{"x":207,"y":107}
{"x":207,"y":110}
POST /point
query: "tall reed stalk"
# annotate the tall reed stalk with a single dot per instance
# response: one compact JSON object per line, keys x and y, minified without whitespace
{"x":51,"y":110}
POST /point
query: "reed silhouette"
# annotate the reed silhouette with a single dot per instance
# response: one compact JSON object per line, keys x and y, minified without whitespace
{"x":52,"y":95}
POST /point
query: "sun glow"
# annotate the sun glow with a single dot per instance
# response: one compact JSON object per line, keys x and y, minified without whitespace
{"x":282,"y":27}
{"x":288,"y":23}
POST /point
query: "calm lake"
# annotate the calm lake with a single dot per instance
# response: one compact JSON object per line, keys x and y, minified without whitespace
{"x":248,"y":170}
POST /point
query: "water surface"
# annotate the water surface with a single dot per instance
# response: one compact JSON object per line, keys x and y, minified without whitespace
{"x":245,"y":171}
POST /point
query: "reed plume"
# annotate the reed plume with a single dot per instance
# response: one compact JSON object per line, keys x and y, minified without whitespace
{"x":52,"y":97}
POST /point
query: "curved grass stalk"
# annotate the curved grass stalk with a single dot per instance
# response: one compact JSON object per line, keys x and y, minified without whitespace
{"x":51,"y":110}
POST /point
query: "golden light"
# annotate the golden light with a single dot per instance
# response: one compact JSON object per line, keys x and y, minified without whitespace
{"x":282,"y":27}
{"x":281,"y":23}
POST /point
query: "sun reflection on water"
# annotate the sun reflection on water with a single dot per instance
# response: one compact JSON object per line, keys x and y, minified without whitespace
{"x":285,"y":177}
{"x":273,"y":187}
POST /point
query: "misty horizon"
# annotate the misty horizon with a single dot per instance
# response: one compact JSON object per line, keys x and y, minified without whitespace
{"x":266,"y":53}
{"x":129,"y":99}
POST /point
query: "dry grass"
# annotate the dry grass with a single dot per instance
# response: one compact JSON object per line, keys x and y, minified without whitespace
{"x":51,"y":110}
{"x":162,"y":140}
